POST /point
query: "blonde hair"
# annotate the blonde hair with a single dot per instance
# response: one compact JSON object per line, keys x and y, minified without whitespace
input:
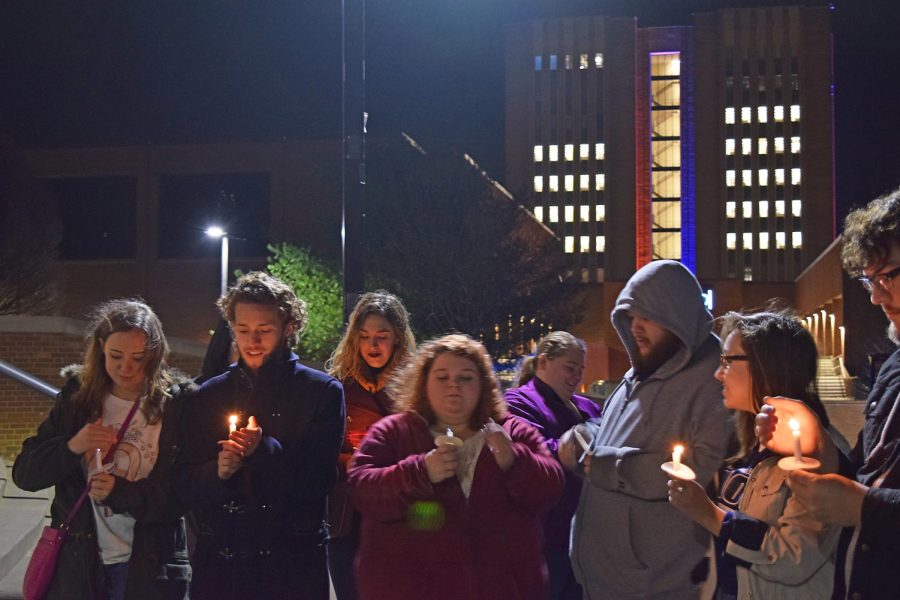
{"x":551,"y":345}
{"x":346,"y":362}
{"x":117,"y":316}
{"x":409,"y":388}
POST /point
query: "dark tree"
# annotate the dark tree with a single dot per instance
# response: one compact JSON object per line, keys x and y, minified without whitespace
{"x":461,"y":252}
{"x":29,"y":238}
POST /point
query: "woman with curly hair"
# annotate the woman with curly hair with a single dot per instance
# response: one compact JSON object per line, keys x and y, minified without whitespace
{"x":128,"y":540}
{"x":450,"y":488}
{"x":378,"y":340}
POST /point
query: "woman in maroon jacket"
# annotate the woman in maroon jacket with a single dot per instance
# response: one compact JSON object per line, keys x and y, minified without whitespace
{"x":377,"y":341}
{"x":451,"y":490}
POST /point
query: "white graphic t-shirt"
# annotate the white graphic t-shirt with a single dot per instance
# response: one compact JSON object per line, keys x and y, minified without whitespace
{"x":133,"y":460}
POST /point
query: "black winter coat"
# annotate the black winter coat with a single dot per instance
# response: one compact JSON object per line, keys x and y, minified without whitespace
{"x":261,"y":532}
{"x":159,"y":567}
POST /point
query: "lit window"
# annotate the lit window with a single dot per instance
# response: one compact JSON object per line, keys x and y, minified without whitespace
{"x":598,"y":60}
{"x":585,"y":245}
{"x":584,"y":182}
{"x":779,"y":145}
{"x":729,"y":177}
{"x":795,"y":144}
{"x":553,"y":183}
{"x":600,"y":151}
{"x":729,"y":146}
{"x":730,"y":240}
{"x":747,"y":240}
{"x":796,"y":207}
{"x":763,"y":177}
{"x":795,"y":176}
{"x":538,"y":153}
{"x":583,"y":61}
{"x":584,"y":151}
{"x":539,"y":213}
{"x":746,"y":146}
{"x":763,"y":240}
{"x":797,"y":239}
{"x":762,"y":146}
{"x":746,"y":209}
{"x":779,"y":208}
{"x":729,"y":209}
{"x":570,"y":244}
{"x":600,"y":243}
{"x":568,"y":62}
{"x":569,"y":212}
{"x":599,"y":182}
{"x":779,"y":240}
{"x":569,"y":151}
{"x":762,"y":114}
{"x":746,"y":177}
{"x":552,"y":62}
{"x":537,"y":62}
{"x":600,"y":212}
{"x":554,"y":214}
{"x":729,"y":115}
{"x":795,"y":112}
{"x":553,"y":151}
{"x":779,"y":176}
{"x":763,"y":209}
{"x":745,"y":114}
{"x":538,"y":183}
{"x":584,"y":211}
{"x":778,"y":114}
{"x":570,"y":183}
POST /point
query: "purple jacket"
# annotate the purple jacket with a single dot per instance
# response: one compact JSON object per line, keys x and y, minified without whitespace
{"x":537,"y":404}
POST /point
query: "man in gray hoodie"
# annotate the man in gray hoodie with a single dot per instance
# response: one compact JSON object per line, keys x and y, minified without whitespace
{"x":627,"y":540}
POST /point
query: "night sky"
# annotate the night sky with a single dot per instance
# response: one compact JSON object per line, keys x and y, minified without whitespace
{"x":103,"y":73}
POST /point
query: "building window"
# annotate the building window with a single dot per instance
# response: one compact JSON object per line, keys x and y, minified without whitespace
{"x":730,"y":240}
{"x":599,"y":182}
{"x":569,"y":214}
{"x":584,"y":212}
{"x":583,"y":62}
{"x":539,"y":213}
{"x":538,"y":153}
{"x":729,"y":115}
{"x":779,"y":208}
{"x":762,"y":114}
{"x":729,"y":147}
{"x":748,"y":273}
{"x":538,"y":60}
{"x":552,"y":62}
{"x":746,"y":146}
{"x":569,"y":152}
{"x":795,"y":113}
{"x":568,"y":62}
{"x":746,"y":209}
{"x":763,"y":177}
{"x":98,"y":217}
{"x":747,"y":240}
{"x":584,"y":182}
{"x":763,"y":206}
{"x":598,"y":60}
{"x":554,"y":213}
{"x":762,"y":145}
{"x":746,"y":177}
{"x":599,"y":212}
{"x":796,"y":207}
{"x":570,"y":183}
{"x":779,"y":176}
{"x":763,"y":240}
{"x":795,"y":144}
{"x":600,"y":151}
{"x":585,"y":245}
{"x":779,"y":145}
{"x":745,"y":114}
{"x":600,"y":244}
{"x":730,"y":209}
{"x":729,"y":178}
{"x":778,"y":114}
{"x":795,"y":176}
{"x":584,"y":151}
{"x":553,"y":151}
{"x":538,"y":183}
{"x":553,"y":183}
{"x":797,"y":239}
{"x":779,"y":240}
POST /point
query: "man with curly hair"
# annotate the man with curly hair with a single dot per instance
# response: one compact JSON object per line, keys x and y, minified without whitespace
{"x":258,"y":489}
{"x":867,"y":502}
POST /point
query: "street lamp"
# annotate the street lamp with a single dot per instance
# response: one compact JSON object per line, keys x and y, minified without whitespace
{"x":217,"y":232}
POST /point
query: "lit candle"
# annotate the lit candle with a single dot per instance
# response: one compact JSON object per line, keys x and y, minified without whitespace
{"x":795,"y":431}
{"x":676,"y":457}
{"x":232,"y":424}
{"x":98,"y":459}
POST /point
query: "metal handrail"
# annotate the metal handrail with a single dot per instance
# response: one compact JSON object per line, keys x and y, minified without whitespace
{"x":31,"y":381}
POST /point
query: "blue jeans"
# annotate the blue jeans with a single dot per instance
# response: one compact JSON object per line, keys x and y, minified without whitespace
{"x":116,"y":576}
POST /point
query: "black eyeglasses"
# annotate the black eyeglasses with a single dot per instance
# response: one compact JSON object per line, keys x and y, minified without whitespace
{"x":725,"y":360}
{"x":883,"y":280}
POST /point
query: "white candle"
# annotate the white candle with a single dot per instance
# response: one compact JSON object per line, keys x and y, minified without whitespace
{"x":795,"y":431}
{"x":232,"y":424}
{"x":98,"y":459}
{"x":676,"y":457}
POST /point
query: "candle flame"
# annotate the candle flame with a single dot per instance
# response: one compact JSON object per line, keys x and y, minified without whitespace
{"x":232,"y":420}
{"x":678,"y":451}
{"x":794,"y":424}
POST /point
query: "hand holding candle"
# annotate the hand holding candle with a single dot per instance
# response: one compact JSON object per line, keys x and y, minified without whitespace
{"x":797,"y":461}
{"x":232,"y":424}
{"x":448,"y":439}
{"x":676,"y":468}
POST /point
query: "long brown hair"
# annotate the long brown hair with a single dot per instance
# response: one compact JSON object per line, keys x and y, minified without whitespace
{"x":118,"y":316}
{"x":346,"y":362}
{"x":551,"y":345}
{"x":782,"y":358}
{"x":408,"y":389}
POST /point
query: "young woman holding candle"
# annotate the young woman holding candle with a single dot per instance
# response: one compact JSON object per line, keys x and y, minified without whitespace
{"x":767,"y":544}
{"x":127,"y":539}
{"x":452,"y":521}
{"x":547,"y":400}
{"x":378,"y":340}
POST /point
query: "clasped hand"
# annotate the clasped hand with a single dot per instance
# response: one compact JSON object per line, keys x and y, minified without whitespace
{"x":240,"y":445}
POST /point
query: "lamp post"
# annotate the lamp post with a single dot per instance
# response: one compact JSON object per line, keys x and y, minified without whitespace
{"x":217,"y":232}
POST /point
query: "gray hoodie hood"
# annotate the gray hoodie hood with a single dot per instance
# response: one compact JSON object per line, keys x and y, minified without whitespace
{"x":664,"y":291}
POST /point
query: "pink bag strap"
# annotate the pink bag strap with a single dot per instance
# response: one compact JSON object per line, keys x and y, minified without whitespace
{"x":68,"y":520}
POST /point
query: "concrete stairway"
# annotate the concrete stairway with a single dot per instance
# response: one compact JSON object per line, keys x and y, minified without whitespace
{"x":22,"y":516}
{"x":831,"y":382}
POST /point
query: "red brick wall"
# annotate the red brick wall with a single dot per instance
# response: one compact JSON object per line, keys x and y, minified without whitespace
{"x":42,"y":355}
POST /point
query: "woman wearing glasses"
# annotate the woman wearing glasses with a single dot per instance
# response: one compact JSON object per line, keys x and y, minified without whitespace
{"x":767,"y":544}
